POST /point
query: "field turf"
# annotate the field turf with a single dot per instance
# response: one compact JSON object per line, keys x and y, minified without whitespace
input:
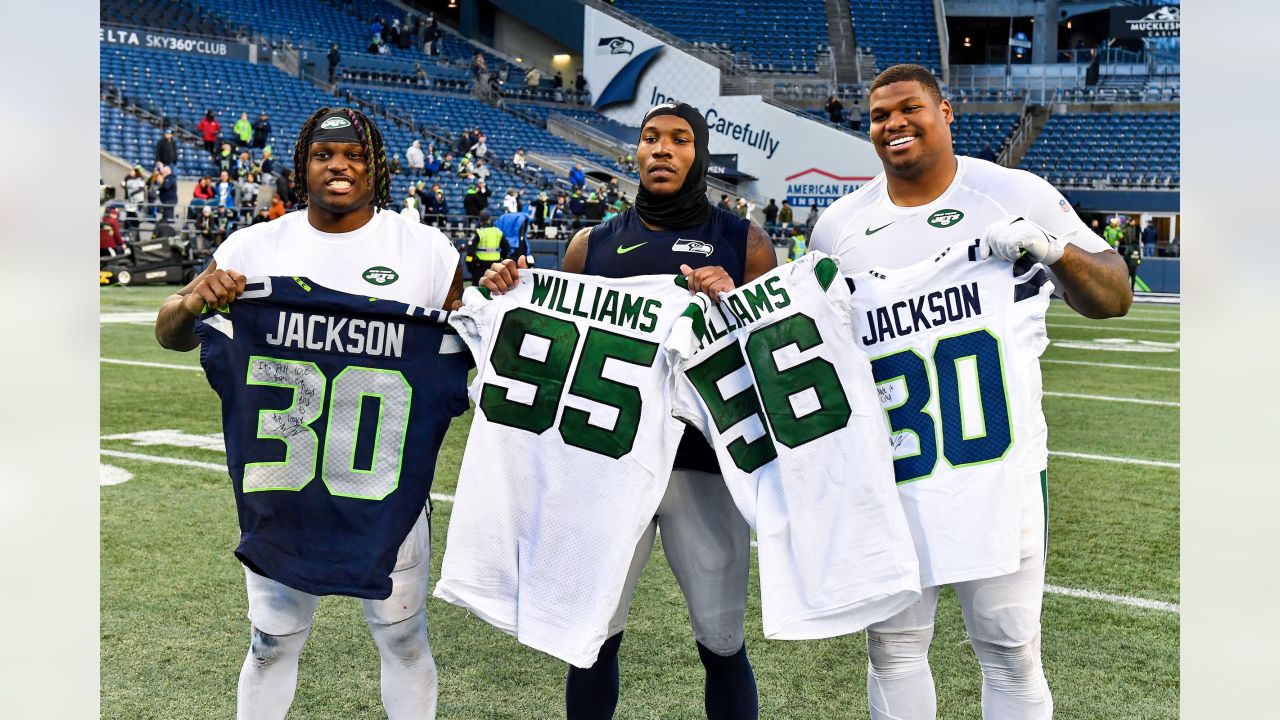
{"x":173,"y":608}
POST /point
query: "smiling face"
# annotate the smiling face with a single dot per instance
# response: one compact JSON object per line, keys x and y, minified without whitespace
{"x":910,"y":129}
{"x":665,"y":154}
{"x":338,"y":177}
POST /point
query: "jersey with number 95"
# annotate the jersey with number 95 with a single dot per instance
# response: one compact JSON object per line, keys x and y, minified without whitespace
{"x":955,"y":343}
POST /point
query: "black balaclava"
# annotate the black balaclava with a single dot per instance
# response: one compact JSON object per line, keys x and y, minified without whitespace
{"x":688,"y":206}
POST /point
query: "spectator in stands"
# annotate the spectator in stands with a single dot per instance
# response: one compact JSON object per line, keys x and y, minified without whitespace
{"x":264,"y":215}
{"x":473,"y":202}
{"x":465,"y":170}
{"x":420,"y":76}
{"x":593,"y":208}
{"x":1131,"y":250}
{"x":518,"y":159}
{"x":1096,"y":227}
{"x":417,"y":161}
{"x":557,"y":85}
{"x":541,"y":209}
{"x":110,"y":241}
{"x":623,"y":203}
{"x":243,"y":130}
{"x":396,"y":167}
{"x":479,"y":70}
{"x":431,"y":165}
{"x":515,"y":230}
{"x":511,"y":201}
{"x":855,"y":115}
{"x":812,"y":218}
{"x":153,"y":189}
{"x":268,"y":165}
{"x":488,"y":245}
{"x":446,"y":164}
{"x":577,"y":178}
{"x":168,"y":192}
{"x":612,"y":192}
{"x":482,"y":189}
{"x":481,"y":148}
{"x":335,"y":57}
{"x":247,"y":190}
{"x":224,"y":191}
{"x":225,"y":160}
{"x":799,"y":245}
{"x":577,"y":204}
{"x":580,"y":87}
{"x":203,"y":192}
{"x":261,"y":131}
{"x":1149,"y":237}
{"x":244,"y":166}
{"x":431,"y":38}
{"x":167,"y":149}
{"x":1133,"y":233}
{"x":1114,"y":234}
{"x":481,"y":170}
{"x":785,"y":217}
{"x":209,"y":127}
{"x":464,"y":143}
{"x":135,"y":186}
{"x":434,"y":206}
{"x":205,"y":227}
{"x":277,"y":207}
{"x":410,"y":210}
{"x":770,"y":216}
{"x":835,"y":110}
{"x":393,"y":33}
{"x":724,"y":203}
{"x":533,"y":77}
{"x":559,"y":213}
{"x":743,"y":208}
{"x":987,"y":153}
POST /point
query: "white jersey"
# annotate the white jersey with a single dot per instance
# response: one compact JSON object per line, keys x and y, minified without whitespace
{"x":568,"y":455}
{"x":865,"y":229}
{"x":388,"y":258}
{"x":955,"y":343}
{"x":771,"y":375}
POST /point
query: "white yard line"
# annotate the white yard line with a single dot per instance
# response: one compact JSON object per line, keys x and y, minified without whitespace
{"x":1117,"y":366}
{"x":1128,"y":318}
{"x":1116,"y":599}
{"x":1115,"y":459}
{"x":220,"y":467}
{"x":132,"y":318}
{"x":1108,"y":398}
{"x":442,"y":497}
{"x":1112,"y":328}
{"x":140,"y":363}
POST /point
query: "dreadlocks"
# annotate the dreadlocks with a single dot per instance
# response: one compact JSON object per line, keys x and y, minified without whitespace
{"x":370,"y":143}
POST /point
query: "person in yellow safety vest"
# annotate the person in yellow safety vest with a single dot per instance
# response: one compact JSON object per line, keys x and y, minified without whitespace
{"x":799,"y":246}
{"x":488,"y":245}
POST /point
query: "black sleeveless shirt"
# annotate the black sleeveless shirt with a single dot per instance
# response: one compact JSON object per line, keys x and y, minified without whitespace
{"x":624,"y":247}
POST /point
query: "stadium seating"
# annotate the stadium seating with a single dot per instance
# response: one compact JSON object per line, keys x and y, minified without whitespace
{"x":972,"y":131}
{"x":182,"y":17}
{"x":1140,"y":149}
{"x":897,"y":31}
{"x":769,"y":36}
{"x":133,"y":140}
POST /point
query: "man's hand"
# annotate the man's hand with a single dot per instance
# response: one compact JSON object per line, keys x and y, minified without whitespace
{"x":1011,"y":236}
{"x":711,"y":280}
{"x":218,"y":288}
{"x":504,"y":276}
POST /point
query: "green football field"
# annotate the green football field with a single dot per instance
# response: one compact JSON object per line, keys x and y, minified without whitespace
{"x":173,"y":608}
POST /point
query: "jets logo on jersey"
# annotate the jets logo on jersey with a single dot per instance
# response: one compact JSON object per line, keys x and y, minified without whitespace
{"x":694,"y":246}
{"x":945,"y":218}
{"x":380,"y":275}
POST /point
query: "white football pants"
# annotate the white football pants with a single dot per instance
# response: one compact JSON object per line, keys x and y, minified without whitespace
{"x":281,"y":620}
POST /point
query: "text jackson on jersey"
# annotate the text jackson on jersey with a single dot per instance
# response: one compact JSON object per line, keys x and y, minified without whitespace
{"x":922,"y":312}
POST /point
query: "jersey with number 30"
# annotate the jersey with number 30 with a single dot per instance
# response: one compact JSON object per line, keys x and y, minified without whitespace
{"x":568,"y":455}
{"x":772,"y":377}
{"x":955,"y":342}
{"x":333,"y":408}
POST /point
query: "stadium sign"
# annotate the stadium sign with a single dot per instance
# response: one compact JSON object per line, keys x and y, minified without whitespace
{"x":1144,"y":22}
{"x":815,"y":186}
{"x":175,"y":42}
{"x":778,"y":149}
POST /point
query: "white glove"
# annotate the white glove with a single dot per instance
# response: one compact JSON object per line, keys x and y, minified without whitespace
{"x":1011,"y":236}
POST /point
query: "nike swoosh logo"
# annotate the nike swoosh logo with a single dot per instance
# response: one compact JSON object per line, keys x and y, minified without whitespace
{"x":625,"y":250}
{"x":873,"y":232}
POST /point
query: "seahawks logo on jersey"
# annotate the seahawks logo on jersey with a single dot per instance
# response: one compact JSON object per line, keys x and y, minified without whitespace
{"x":693,"y":246}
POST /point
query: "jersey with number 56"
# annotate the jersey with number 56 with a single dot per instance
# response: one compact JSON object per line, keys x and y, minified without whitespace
{"x":772,"y":377}
{"x":955,"y":343}
{"x":568,"y":455}
{"x":333,"y":409}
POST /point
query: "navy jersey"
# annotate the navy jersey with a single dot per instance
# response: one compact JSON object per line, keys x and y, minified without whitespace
{"x":624,"y":247}
{"x":333,"y":410}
